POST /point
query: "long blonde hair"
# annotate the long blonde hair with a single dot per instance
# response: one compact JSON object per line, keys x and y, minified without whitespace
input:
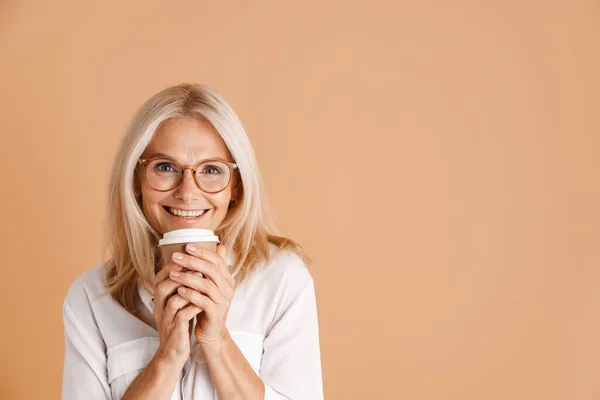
{"x":130,"y":240}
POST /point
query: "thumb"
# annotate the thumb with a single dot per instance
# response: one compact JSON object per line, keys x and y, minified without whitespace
{"x":221,"y":251}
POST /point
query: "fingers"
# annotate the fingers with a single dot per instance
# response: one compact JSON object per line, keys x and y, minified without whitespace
{"x":221,"y":251}
{"x":186,"y":314}
{"x":202,"y":266}
{"x":164,"y":287}
{"x":163,"y":292}
{"x":218,"y":258}
{"x":164,"y":273}
{"x":208,"y":263}
{"x":199,"y":300}
{"x":203,"y":285}
{"x":174,"y":304}
{"x":212,"y":257}
{"x":223,"y":265}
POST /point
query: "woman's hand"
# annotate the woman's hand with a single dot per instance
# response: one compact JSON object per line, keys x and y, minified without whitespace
{"x":208,"y":286}
{"x":173,"y":315}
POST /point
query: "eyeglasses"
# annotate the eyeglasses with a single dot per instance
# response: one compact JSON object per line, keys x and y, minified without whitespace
{"x":212,"y":176}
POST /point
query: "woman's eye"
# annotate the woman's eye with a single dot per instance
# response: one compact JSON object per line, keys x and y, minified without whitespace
{"x":211,"y":170}
{"x":165,"y":167}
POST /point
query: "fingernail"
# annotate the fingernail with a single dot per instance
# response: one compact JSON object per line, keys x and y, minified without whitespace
{"x":191,"y":247}
{"x":177,"y":256}
{"x":174,"y":273}
{"x":181,"y":290}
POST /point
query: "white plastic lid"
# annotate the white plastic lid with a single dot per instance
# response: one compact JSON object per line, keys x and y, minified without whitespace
{"x":188,"y":236}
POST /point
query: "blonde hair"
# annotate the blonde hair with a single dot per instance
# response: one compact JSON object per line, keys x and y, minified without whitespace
{"x":130,"y":240}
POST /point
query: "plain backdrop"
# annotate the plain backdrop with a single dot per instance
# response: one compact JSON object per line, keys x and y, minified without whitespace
{"x":438,"y":160}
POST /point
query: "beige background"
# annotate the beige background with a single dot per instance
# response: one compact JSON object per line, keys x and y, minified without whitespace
{"x":437,"y":159}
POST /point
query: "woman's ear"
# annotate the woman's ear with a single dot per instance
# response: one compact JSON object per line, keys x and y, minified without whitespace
{"x":137,"y":189}
{"x":235,"y":194}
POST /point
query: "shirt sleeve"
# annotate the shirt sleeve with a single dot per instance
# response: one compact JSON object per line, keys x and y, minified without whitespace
{"x":291,"y":365}
{"x":84,"y":373}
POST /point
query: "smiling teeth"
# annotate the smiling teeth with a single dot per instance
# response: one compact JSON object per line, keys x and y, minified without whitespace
{"x":188,"y":214}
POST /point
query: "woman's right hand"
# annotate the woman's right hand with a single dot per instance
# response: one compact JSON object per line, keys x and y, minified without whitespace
{"x":172,"y":314}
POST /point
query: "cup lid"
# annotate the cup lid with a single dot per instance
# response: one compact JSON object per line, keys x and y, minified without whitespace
{"x":188,"y":236}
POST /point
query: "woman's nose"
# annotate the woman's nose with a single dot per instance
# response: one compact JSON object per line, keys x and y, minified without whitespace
{"x":187,"y":189}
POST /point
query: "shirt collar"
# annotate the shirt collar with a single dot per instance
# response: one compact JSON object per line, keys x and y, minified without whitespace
{"x":146,"y":297}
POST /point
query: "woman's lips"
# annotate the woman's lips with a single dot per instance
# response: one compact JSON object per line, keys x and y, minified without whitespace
{"x":185,"y":219}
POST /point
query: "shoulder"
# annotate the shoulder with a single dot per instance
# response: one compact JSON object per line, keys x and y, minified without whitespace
{"x":86,"y":288}
{"x":288,"y":267}
{"x":285,"y":276}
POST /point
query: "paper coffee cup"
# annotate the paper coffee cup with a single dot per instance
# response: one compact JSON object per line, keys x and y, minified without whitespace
{"x":176,"y":240}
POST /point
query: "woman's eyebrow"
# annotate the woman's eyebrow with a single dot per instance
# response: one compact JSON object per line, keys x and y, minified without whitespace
{"x":163,"y":155}
{"x":156,"y":155}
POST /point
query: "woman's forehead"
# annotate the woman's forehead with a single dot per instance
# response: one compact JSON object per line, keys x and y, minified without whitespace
{"x":187,"y":141}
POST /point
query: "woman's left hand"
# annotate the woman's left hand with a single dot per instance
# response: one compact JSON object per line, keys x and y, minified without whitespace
{"x":209,"y":286}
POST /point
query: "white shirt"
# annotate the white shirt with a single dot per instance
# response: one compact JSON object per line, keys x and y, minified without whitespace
{"x":272,"y":319}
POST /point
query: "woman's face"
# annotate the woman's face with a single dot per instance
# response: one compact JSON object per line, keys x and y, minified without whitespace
{"x":187,"y":141}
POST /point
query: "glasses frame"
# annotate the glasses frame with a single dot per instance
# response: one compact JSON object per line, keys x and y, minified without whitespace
{"x":145,"y":161}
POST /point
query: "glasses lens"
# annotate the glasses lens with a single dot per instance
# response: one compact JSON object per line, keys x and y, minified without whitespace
{"x":213,"y":176}
{"x":163,"y":174}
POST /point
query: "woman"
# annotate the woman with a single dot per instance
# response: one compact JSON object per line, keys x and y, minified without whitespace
{"x":240,"y":323}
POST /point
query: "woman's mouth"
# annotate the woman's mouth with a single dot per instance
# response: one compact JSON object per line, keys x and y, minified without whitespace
{"x":181,"y":215}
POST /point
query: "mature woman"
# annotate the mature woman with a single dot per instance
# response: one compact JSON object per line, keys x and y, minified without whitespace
{"x":239,"y":323}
